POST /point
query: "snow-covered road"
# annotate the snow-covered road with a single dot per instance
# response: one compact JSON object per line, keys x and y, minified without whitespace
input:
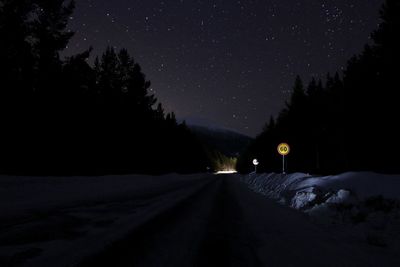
{"x":197,"y":220}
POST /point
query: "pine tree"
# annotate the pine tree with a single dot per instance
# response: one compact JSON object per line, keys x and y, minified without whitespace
{"x":50,"y":31}
{"x":159,"y":114}
{"x":386,"y":36}
{"x":16,"y":60}
{"x":298,"y":95}
{"x":78,"y":78}
{"x":344,"y":124}
{"x":270,"y":125}
{"x":108,"y":76}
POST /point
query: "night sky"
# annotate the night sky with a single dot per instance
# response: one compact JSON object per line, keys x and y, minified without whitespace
{"x":227,"y":63}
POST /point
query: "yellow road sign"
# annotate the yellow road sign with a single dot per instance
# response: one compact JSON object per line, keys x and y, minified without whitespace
{"x":283,"y":149}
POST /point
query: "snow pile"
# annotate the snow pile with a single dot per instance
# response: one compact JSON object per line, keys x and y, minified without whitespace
{"x":341,"y":196}
{"x":304,"y":197}
{"x":361,"y":206}
{"x":306,"y":192}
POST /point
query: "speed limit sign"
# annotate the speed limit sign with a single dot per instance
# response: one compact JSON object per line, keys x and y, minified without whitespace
{"x":283,"y":149}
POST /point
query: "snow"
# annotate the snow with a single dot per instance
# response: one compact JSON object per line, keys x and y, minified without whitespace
{"x":341,"y":196}
{"x":364,"y":184}
{"x":303,"y":191}
{"x":19,"y":195}
{"x":362,"y":208}
{"x":303,"y":197}
{"x":56,"y":220}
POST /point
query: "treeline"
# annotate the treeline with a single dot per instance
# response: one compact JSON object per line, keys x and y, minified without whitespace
{"x":67,"y":117}
{"x":349,"y":122}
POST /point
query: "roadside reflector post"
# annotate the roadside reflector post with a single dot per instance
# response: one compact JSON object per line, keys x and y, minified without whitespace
{"x":255,"y":163}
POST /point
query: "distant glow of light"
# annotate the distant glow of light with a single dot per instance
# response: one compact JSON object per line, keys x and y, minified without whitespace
{"x":226,"y":172}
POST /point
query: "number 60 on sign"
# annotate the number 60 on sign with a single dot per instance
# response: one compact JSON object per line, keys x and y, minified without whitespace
{"x":283,"y":149}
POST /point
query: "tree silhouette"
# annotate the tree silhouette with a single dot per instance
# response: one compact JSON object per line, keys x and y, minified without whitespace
{"x":66,"y":117}
{"x":51,"y":37}
{"x":346,"y":123}
{"x":16,"y":59}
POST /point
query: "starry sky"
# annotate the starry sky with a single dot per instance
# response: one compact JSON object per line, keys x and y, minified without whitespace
{"x":227,"y":63}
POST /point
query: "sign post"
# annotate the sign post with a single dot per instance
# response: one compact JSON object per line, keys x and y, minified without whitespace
{"x":255,"y":163}
{"x":283,"y":150}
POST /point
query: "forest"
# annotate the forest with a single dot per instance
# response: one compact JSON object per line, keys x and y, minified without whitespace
{"x":345,"y":122}
{"x":68,"y":117}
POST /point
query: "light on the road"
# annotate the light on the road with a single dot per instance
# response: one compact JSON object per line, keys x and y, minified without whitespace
{"x":226,"y":172}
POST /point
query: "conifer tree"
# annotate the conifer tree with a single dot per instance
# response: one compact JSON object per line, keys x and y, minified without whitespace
{"x":52,"y":36}
{"x":16,"y":60}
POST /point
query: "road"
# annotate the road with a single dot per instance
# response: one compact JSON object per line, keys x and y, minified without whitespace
{"x":212,"y":221}
{"x":224,"y":224}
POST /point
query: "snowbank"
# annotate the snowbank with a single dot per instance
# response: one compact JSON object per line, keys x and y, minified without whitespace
{"x":303,"y":191}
